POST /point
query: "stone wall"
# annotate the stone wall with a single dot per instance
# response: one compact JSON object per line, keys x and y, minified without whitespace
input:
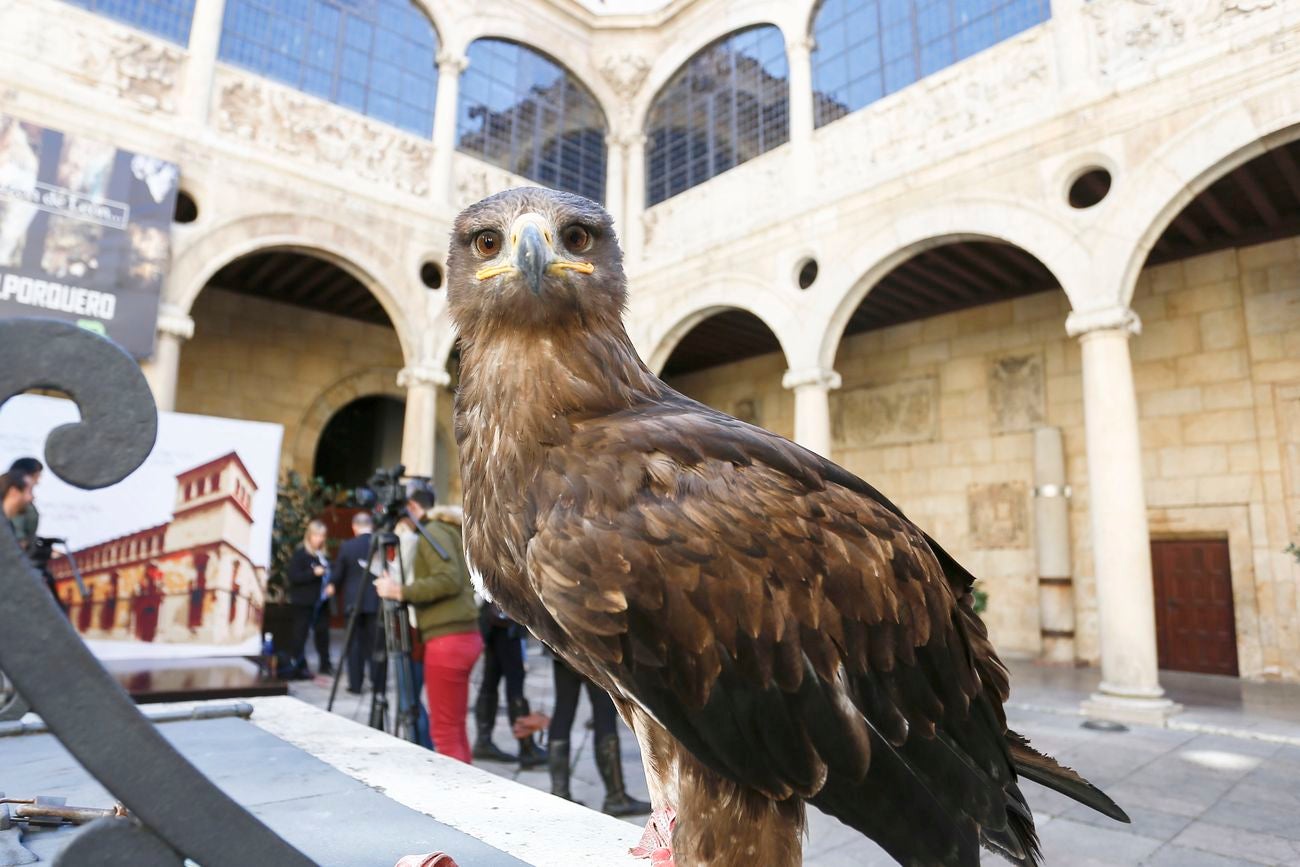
{"x":264,"y":361}
{"x":937,"y":414}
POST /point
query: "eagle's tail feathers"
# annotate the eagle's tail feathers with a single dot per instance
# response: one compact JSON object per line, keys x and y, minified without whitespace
{"x":1018,"y":841}
{"x":1046,"y":771}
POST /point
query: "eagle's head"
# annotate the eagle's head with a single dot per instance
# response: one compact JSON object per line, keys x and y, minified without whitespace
{"x":529,"y":258}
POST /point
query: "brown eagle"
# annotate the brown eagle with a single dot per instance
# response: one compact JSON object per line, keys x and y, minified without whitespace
{"x":774,"y":630}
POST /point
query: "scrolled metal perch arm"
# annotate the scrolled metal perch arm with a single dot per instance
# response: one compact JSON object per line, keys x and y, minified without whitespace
{"x":184,"y":814}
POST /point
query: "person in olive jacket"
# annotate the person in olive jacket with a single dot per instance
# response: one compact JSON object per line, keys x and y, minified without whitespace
{"x":443,"y":598}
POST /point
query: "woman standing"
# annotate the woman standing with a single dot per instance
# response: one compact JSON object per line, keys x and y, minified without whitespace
{"x":306,"y":573}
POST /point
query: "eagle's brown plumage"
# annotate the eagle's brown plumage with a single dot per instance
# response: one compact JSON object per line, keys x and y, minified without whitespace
{"x":773,"y":628}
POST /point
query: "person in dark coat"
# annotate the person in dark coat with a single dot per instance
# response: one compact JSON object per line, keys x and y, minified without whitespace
{"x":352,"y":576}
{"x":306,"y":574}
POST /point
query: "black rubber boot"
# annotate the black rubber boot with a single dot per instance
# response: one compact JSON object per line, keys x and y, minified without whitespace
{"x":609,"y":761}
{"x":530,"y":754}
{"x":557,"y":759}
{"x":485,"y":717}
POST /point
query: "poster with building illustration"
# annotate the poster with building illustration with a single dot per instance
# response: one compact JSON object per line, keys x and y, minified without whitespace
{"x":174,"y":557}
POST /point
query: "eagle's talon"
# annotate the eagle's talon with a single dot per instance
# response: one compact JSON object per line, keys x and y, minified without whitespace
{"x":657,"y":841}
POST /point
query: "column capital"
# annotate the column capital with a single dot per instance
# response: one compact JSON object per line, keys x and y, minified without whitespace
{"x":451,"y":62}
{"x":801,"y":45}
{"x":1082,"y":322}
{"x":814,"y":377}
{"x":174,"y":322}
{"x":625,"y":139}
{"x":422,"y":374}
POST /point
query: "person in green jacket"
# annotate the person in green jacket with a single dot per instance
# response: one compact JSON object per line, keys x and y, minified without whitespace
{"x":442,"y":597}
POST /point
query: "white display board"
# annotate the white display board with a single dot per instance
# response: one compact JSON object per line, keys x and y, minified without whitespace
{"x":174,"y":557}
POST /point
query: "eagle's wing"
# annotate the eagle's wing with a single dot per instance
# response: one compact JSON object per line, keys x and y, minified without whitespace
{"x":786,"y":624}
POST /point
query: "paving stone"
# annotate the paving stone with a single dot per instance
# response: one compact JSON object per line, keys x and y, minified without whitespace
{"x":1238,"y":843}
{"x":1067,"y":843}
{"x":1181,"y":856}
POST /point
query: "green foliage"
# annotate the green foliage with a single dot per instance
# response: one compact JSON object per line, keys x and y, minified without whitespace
{"x":981,"y":601}
{"x":1294,"y":551}
{"x":297,"y":502}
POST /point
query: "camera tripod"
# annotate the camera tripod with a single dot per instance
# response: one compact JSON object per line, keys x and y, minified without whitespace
{"x":395,"y":625}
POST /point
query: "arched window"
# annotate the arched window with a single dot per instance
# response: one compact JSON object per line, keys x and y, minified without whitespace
{"x":378,"y":57}
{"x":866,"y":49}
{"x":169,"y":19}
{"x":727,"y":104}
{"x":529,"y":115}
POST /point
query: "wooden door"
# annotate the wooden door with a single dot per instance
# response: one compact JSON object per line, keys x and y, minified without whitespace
{"x":1195,"y":628}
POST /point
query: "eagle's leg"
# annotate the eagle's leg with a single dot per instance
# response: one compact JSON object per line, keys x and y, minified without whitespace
{"x":725,"y":824}
{"x":657,"y":756}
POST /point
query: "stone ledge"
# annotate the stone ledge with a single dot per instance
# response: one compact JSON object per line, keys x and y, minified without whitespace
{"x":533,"y":826}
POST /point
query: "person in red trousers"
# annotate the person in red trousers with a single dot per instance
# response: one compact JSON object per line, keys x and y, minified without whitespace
{"x":442,"y":596}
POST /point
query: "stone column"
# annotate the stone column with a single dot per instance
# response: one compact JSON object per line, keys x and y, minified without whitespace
{"x":1130,"y":686}
{"x":161,"y":371}
{"x":634,"y":196}
{"x":1070,"y":29}
{"x":812,"y":406}
{"x":450,"y":66}
{"x":616,"y":181}
{"x":798,"y":54}
{"x":420,"y":424}
{"x":201,"y":65}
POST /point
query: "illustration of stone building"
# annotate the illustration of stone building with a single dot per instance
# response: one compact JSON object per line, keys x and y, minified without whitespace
{"x":189,"y":580}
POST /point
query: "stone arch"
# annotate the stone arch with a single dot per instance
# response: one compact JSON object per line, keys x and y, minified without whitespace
{"x":666,"y":328}
{"x":336,"y":243}
{"x":363,"y":383}
{"x":1151,"y":197}
{"x":1032,"y":230}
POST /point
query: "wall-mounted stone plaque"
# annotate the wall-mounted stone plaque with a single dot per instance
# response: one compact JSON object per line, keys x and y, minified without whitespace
{"x":903,"y":412}
{"x":749,"y":409}
{"x":1017,"y":393}
{"x":999,"y":515}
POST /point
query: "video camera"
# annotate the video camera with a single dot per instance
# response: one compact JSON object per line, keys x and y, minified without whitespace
{"x":386,"y":492}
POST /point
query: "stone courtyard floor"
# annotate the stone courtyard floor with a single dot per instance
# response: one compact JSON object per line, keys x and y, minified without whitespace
{"x":1219,"y":787}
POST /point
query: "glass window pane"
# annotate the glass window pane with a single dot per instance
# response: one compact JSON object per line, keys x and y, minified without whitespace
{"x":372,"y":56}
{"x":169,"y":19}
{"x":868,"y":48}
{"x":726,"y":105}
{"x":522,"y":111}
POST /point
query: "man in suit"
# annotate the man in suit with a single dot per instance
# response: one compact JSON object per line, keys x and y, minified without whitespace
{"x":352,"y":578}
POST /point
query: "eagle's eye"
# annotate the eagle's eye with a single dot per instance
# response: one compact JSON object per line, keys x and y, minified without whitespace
{"x":487,"y":243}
{"x":576,"y":238}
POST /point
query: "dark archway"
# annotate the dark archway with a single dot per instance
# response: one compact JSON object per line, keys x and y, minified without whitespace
{"x":364,"y":435}
{"x":733,"y":362}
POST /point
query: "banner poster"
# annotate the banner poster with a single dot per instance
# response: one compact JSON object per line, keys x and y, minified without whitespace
{"x":174,"y":557}
{"x":85,"y":232}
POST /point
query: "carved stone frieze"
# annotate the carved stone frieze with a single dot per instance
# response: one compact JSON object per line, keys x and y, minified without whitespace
{"x":140,"y":70}
{"x":902,"y":412}
{"x":1132,"y":32}
{"x":475,"y":180}
{"x":302,"y":126}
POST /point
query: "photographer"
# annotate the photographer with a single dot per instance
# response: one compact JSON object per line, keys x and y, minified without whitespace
{"x":26,"y":521}
{"x":443,"y":599}
{"x":15,"y":497}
